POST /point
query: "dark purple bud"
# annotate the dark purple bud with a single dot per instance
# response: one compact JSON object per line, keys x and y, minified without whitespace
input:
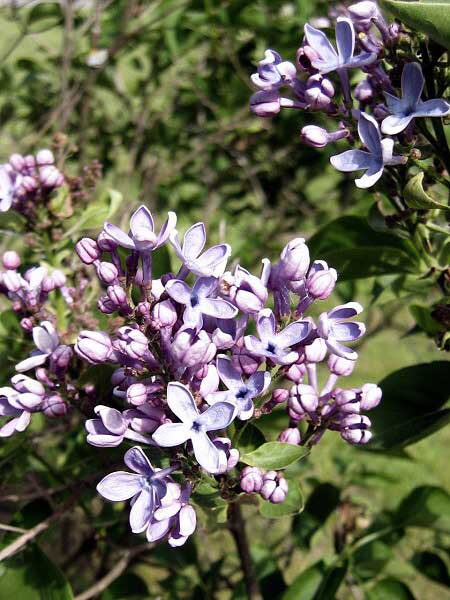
{"x":42,"y":375}
{"x":107,"y":272}
{"x":122,"y":378}
{"x":94,"y":346}
{"x":54,"y":406}
{"x":341,"y":366}
{"x":251,"y":480}
{"x":275,"y":487}
{"x":27,"y":324}
{"x":88,"y":250}
{"x":137,"y":394}
{"x":291,"y":435}
{"x":106,"y":305}
{"x":11,"y":260}
{"x":370,"y":396}
{"x":60,"y":358}
{"x":45,"y":157}
{"x":164,"y":314}
{"x":143,"y":309}
{"x":265,"y":103}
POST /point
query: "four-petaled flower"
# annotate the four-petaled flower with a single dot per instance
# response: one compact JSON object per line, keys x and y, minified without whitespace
{"x":211,"y":263}
{"x":194,"y":425}
{"x":145,"y":487}
{"x":241,"y":394}
{"x":373,"y":162}
{"x":198,"y":301}
{"x":273,"y":72}
{"x":410,"y":106}
{"x":328,"y":59}
{"x":275,"y":346}
{"x":46,"y":341}
{"x":334,"y":327}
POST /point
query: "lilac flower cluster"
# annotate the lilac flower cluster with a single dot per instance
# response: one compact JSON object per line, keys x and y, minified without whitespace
{"x":26,"y":180}
{"x":361,"y":35}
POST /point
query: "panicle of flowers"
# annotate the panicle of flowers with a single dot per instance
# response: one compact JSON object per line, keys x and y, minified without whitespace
{"x":319,"y":81}
{"x":27,"y":180}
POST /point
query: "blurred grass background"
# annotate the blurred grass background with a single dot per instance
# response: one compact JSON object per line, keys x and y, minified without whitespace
{"x":165,"y":111}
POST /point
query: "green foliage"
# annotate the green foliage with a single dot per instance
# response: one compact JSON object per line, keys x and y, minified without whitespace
{"x":274,"y":455}
{"x":390,"y":589}
{"x":292,"y":505}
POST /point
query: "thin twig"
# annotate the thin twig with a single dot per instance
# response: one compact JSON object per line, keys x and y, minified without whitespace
{"x":21,"y":541}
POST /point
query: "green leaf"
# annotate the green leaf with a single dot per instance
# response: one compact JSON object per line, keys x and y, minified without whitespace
{"x":94,"y":215}
{"x":427,"y":16}
{"x":349,"y":245}
{"x":416,"y":197}
{"x":31,"y":575}
{"x":274,"y":455}
{"x":319,"y":506}
{"x":423,"y":318}
{"x":412,"y":405}
{"x":334,"y":576}
{"x":292,"y":505}
{"x":425,"y":506}
{"x":305,"y":586}
{"x":432,"y":566}
{"x":250,"y":439}
{"x":128,"y":586}
{"x":369,"y":560}
{"x":390,"y":589}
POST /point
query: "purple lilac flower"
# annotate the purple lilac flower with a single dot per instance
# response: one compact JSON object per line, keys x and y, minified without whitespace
{"x":334,"y":327}
{"x":175,"y":517}
{"x":252,"y":479}
{"x":19,"y":402}
{"x":274,"y":346}
{"x":239,"y":393}
{"x":46,"y":340}
{"x":7,"y":189}
{"x":275,"y":487}
{"x":194,"y":425}
{"x":145,"y":487}
{"x":273,"y":72}
{"x":198,"y":301}
{"x":328,"y":59}
{"x":211,"y":263}
{"x":373,"y":162}
{"x":228,"y":456}
{"x":111,"y":428}
{"x":318,"y":137}
{"x":410,"y":106}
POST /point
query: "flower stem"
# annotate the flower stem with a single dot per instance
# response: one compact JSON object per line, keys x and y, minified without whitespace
{"x":236,"y":526}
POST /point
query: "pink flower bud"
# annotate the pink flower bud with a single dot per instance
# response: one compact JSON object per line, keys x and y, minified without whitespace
{"x":291,"y":435}
{"x":17,"y":162}
{"x":54,"y":406}
{"x":275,"y":487}
{"x":251,"y":480}
{"x":137,"y":394}
{"x":316,"y":352}
{"x":87,"y":250}
{"x":341,"y":366}
{"x":265,"y":103}
{"x":164,"y":314}
{"x":370,"y":396}
{"x":45,"y":157}
{"x":11,"y":260}
{"x":294,"y":260}
{"x":107,"y":272}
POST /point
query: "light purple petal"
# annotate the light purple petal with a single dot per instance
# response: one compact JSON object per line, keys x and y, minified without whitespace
{"x":265,"y":324}
{"x":244,"y":415}
{"x":432,"y":108}
{"x":120,"y":486}
{"x":112,"y":419}
{"x":364,"y":58}
{"x":348,"y":332}
{"x":258,"y":383}
{"x":119,"y":236}
{"x":214,"y":397}
{"x":6,"y":410}
{"x":169,"y":225}
{"x":345,"y":311}
{"x":394,"y":104}
{"x":351,"y":160}
{"x":104,"y":440}
{"x":412,"y":85}
{"x":187,"y":521}
{"x":137,"y":461}
{"x":194,"y":240}
{"x":36,"y":277}
{"x":157,"y":530}
{"x":204,"y":286}
{"x":206,"y":453}
{"x":285,"y":358}
{"x":213,"y":260}
{"x":142,"y":510}
{"x":293,"y":334}
{"x":31,"y":362}
{"x":339,"y":349}
{"x":320,"y":43}
{"x":395,"y":124}
{"x":218,"y":416}
{"x":179,"y":291}
{"x":369,"y":133}
{"x":10,"y":427}
{"x":141,"y":219}
{"x":22,"y":422}
{"x":255,"y":346}
{"x":345,"y":39}
{"x":227,"y":373}
{"x":165,"y":512}
{"x":181,"y":402}
{"x":371,"y":176}
{"x":171,"y":434}
{"x":216,"y":307}
{"x":45,"y":338}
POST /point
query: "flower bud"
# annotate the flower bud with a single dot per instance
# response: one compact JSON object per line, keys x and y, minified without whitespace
{"x":265,"y":103}
{"x":316,"y":352}
{"x":191,"y":348}
{"x":11,"y":260}
{"x":164,"y":314}
{"x":251,"y":479}
{"x":117,"y":294}
{"x":364,"y":92}
{"x":59,"y":278}
{"x":279,"y":396}
{"x":87,"y":250}
{"x":29,"y":183}
{"x":341,"y":366}
{"x":355,"y":429}
{"x":321,"y":280}
{"x":275,"y":487}
{"x":228,"y":456}
{"x":54,"y":406}
{"x":348,"y":401}
{"x":314,"y":136}
{"x":306,"y":54}
{"x":17,"y":162}
{"x":45,"y":157}
{"x":244,"y":361}
{"x":132,"y":342}
{"x":137,"y":394}
{"x":120,"y":377}
{"x":370,"y":396}
{"x":291,"y":435}
{"x":145,"y":419}
{"x":106,"y":305}
{"x":94,"y":346}
{"x":60,"y":358}
{"x":107,"y":272}
{"x":294,"y":260}
{"x":30,"y":161}
{"x":105,"y":242}
{"x":248,"y":292}
{"x":50,"y":176}
{"x":27,"y":324}
{"x":296,"y":372}
{"x":318,"y":93}
{"x":12,"y":281}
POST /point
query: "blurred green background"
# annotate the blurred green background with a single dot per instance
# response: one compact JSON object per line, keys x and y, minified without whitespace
{"x":158,"y":93}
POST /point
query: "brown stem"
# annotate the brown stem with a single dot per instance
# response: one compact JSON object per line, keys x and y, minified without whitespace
{"x":236,"y":526}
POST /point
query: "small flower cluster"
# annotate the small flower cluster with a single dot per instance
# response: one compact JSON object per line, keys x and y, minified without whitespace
{"x":26,"y":180}
{"x":361,"y":27}
{"x":194,"y":353}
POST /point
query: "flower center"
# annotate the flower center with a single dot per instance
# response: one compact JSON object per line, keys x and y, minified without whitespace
{"x":242,"y":393}
{"x":271,"y":347}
